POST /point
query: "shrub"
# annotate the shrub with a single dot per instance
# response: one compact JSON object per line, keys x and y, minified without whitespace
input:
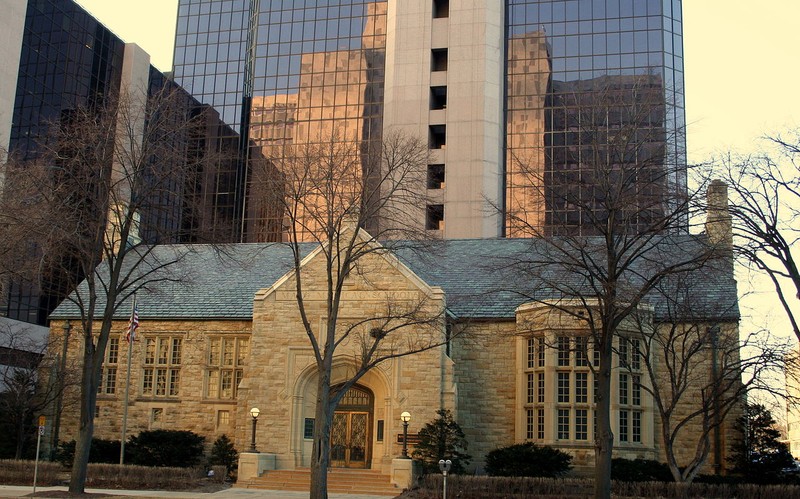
{"x":224,"y":453}
{"x":101,"y":451}
{"x":14,"y":472}
{"x":176,"y":448}
{"x":65,"y":453}
{"x":442,"y":438}
{"x":640,"y":470}
{"x":104,"y":451}
{"x":144,"y":478}
{"x":528,"y":459}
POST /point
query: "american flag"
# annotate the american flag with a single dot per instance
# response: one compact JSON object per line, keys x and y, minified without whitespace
{"x":133,"y":324}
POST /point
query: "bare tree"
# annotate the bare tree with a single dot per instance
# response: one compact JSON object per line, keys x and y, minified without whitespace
{"x":611,"y":205}
{"x":23,"y":225}
{"x":26,"y":387}
{"x":765,"y":206}
{"x":698,"y":370}
{"x":334,"y":190}
{"x":114,"y":177}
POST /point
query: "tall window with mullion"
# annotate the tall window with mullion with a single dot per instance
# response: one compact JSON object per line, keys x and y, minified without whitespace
{"x":630,"y":392}
{"x":535,"y":387}
{"x":227,"y":355}
{"x":581,"y":351}
{"x":108,"y":378}
{"x":162,"y":366}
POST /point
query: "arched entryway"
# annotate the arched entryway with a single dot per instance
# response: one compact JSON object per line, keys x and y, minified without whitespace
{"x":351,"y":439}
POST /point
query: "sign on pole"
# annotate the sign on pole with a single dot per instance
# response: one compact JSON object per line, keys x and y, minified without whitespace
{"x":42,"y":422}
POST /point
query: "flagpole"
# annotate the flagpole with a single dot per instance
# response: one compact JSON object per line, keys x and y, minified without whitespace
{"x":131,"y":339}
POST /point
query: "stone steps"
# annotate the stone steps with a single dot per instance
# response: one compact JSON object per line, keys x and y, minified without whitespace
{"x":346,"y":481}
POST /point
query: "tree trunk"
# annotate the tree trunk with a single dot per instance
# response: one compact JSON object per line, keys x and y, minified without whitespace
{"x":321,"y":454}
{"x":80,"y":463}
{"x":669,"y":451}
{"x":604,"y":439}
{"x":20,"y":425}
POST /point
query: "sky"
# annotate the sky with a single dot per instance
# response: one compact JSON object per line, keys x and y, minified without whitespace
{"x":741,"y":67}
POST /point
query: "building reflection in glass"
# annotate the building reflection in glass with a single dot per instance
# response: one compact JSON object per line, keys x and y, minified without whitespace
{"x":594,"y":103}
{"x":313,"y":75}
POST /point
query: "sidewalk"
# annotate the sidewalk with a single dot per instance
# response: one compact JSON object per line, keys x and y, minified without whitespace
{"x":232,"y":493}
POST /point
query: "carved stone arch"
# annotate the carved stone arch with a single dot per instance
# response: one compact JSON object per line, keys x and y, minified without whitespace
{"x":303,"y":395}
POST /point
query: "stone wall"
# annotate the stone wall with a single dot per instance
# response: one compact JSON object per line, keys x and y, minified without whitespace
{"x":189,"y":410}
{"x":283,"y":383}
{"x":698,"y":380}
{"x":484,"y":357}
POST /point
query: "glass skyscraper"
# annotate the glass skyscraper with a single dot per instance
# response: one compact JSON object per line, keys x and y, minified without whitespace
{"x":71,"y":66}
{"x":589,"y":77}
{"x":283,"y":73}
{"x":499,"y":90}
{"x":67,"y":60}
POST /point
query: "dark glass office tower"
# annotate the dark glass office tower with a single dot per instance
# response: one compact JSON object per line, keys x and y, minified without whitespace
{"x":591,"y":85}
{"x":67,"y":60}
{"x":71,"y":66}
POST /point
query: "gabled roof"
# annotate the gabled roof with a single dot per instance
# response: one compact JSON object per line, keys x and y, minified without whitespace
{"x":477,"y":276}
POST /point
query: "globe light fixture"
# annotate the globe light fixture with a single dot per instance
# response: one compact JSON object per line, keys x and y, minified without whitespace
{"x":254,"y":412}
{"x":405,"y":417}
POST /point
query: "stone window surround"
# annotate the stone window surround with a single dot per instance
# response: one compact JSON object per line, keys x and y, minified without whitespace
{"x":161,"y":365}
{"x":226,"y":356}
{"x":640,"y":424}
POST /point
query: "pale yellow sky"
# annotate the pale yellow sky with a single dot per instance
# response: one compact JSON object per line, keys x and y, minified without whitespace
{"x":148,"y":23}
{"x":742,"y":71}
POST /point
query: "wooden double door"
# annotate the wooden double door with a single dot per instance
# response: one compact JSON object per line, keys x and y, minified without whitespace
{"x":351,"y":435}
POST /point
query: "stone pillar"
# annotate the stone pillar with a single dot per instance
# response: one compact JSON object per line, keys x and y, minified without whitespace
{"x":296,"y":430}
{"x":404,"y":472}
{"x":253,"y":464}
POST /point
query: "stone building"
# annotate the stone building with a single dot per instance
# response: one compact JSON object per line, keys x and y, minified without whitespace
{"x":514,"y":361}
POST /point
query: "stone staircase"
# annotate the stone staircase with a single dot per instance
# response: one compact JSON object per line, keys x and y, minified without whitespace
{"x":340,"y":480}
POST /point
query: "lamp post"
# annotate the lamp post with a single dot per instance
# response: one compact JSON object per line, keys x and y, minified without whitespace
{"x":254,"y":412}
{"x":405,"y":418}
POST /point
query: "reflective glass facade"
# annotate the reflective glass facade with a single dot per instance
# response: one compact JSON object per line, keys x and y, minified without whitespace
{"x":580,"y":75}
{"x":210,"y":50}
{"x":284,"y":73}
{"x":67,"y":60}
{"x":291,"y":72}
{"x":70,"y":63}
